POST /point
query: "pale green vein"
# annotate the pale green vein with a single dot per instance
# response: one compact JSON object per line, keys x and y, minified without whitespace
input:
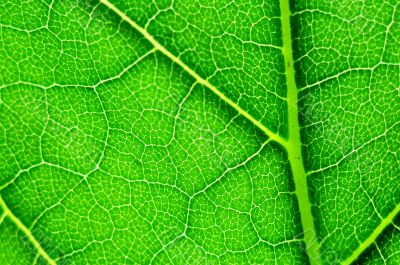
{"x":274,"y":136}
{"x":2,"y":217}
{"x":26,"y":231}
{"x":294,"y":142}
{"x":374,"y":235}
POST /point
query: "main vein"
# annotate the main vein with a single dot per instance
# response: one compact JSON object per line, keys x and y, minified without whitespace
{"x":274,"y":136}
{"x":26,"y":231}
{"x":294,"y":142}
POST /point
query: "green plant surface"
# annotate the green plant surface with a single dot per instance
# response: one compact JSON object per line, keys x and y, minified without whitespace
{"x":199,"y":132}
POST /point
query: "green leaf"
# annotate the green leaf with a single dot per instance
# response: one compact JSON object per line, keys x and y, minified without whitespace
{"x":199,"y":132}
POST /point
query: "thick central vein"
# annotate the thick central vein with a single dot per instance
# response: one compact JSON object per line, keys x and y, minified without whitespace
{"x":294,"y":142}
{"x":274,"y":136}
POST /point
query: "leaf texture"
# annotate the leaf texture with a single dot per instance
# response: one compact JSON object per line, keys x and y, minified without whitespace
{"x":199,"y":132}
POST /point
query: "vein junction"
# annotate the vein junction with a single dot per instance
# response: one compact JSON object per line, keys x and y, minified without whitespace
{"x":293,"y":145}
{"x":274,"y":136}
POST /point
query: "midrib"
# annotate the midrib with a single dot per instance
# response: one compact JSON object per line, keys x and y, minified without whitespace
{"x":294,"y":141}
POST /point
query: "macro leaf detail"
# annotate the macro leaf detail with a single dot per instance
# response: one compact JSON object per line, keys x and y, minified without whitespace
{"x":199,"y":132}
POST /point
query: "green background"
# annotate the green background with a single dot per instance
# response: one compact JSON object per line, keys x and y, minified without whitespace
{"x":111,"y":153}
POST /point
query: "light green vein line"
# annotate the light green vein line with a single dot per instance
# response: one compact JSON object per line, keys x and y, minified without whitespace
{"x":372,"y":238}
{"x":294,"y":142}
{"x":199,"y":79}
{"x":26,"y":231}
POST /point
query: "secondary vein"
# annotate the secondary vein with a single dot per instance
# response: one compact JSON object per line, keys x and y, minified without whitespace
{"x":26,"y":231}
{"x":374,"y":235}
{"x":294,"y":142}
{"x":293,"y":145}
{"x":274,"y":136}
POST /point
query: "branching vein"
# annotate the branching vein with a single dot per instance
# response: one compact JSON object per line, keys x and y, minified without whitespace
{"x":274,"y":136}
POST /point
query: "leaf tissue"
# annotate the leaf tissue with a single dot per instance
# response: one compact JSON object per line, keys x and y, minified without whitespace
{"x":199,"y":132}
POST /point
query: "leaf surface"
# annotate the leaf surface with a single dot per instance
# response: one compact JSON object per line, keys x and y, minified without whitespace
{"x":199,"y":132}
